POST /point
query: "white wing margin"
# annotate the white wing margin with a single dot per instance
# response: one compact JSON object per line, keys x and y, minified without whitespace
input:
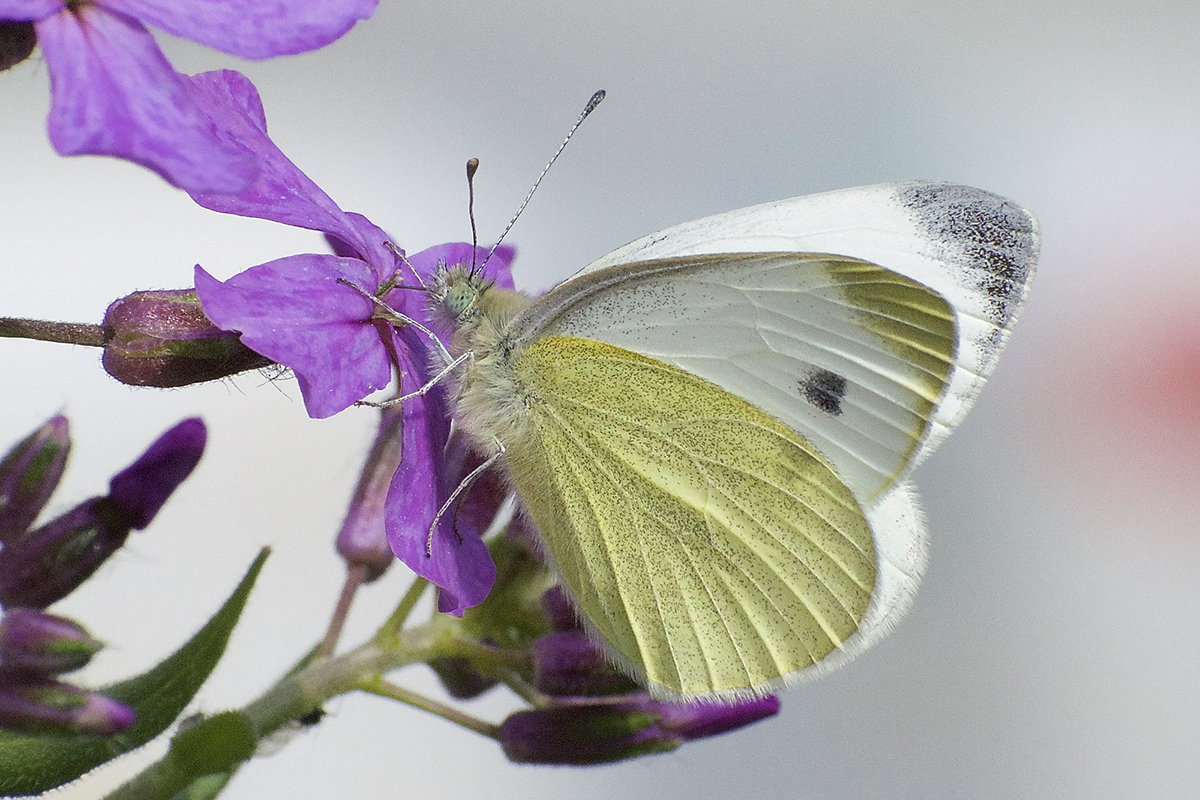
{"x":754,"y":324}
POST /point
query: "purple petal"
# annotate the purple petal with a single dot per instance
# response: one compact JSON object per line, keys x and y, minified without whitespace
{"x":115,"y":94}
{"x":251,"y":28}
{"x":498,"y":268}
{"x":426,"y":262}
{"x":140,"y":489}
{"x":711,"y":718}
{"x":294,"y":311}
{"x":459,"y":564}
{"x":14,"y":10}
{"x":280,"y":192}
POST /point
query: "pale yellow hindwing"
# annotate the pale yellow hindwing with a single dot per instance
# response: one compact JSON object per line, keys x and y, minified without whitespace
{"x":709,"y":544}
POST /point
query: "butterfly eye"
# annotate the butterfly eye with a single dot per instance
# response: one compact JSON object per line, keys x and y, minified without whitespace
{"x":459,"y":299}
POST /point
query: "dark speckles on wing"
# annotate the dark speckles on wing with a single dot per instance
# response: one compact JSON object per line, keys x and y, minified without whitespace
{"x":992,"y":235}
{"x":825,"y":390}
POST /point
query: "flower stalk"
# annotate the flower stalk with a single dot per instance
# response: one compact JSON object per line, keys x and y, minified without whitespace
{"x":58,"y":332}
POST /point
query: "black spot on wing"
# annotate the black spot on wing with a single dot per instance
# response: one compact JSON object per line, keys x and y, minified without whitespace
{"x":825,"y":390}
{"x":994,"y":238}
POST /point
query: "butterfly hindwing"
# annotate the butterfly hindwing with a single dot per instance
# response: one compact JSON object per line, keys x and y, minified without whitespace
{"x":711,"y":547}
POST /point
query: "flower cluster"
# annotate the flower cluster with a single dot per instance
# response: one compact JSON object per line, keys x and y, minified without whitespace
{"x":41,"y":565}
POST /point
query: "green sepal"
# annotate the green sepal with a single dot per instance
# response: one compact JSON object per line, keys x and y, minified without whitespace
{"x":34,"y":764}
{"x":511,"y":616}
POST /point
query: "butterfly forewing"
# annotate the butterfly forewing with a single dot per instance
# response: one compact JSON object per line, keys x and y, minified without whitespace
{"x":944,"y":271}
{"x":851,"y":356}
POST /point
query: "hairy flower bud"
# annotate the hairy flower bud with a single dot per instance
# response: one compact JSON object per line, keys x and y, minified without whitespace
{"x":583,"y":734}
{"x":560,"y":614}
{"x":32,"y":641}
{"x":39,"y":706}
{"x":460,"y":678}
{"x":48,"y":563}
{"x":29,"y":474}
{"x":568,"y":663}
{"x":17,"y":40}
{"x":596,"y":733}
{"x":163,"y":339}
{"x":362,"y":541}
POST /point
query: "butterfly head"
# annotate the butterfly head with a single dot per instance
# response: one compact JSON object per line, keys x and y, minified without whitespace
{"x":456,"y":293}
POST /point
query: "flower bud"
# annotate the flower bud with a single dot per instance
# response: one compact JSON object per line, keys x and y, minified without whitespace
{"x":17,"y":40}
{"x":569,"y":664}
{"x":583,"y":734}
{"x":39,"y":706}
{"x":460,"y":678}
{"x":362,"y":541}
{"x":31,"y":641}
{"x":29,"y":474}
{"x":596,"y":733}
{"x":560,"y":614}
{"x":48,"y":563}
{"x":710,"y":718}
{"x":163,"y":339}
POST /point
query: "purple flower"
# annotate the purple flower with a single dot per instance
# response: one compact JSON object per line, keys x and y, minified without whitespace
{"x":114,"y":93}
{"x":299,"y":312}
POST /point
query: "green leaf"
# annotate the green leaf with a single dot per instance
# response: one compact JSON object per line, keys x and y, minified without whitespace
{"x":34,"y":764}
{"x":205,"y":788}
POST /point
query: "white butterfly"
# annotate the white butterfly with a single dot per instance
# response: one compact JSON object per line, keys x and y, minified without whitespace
{"x":711,"y":427}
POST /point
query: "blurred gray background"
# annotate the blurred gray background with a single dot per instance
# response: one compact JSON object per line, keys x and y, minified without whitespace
{"x":1054,"y":650}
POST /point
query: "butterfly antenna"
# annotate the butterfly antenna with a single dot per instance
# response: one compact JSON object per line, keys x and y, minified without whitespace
{"x":472,"y":167}
{"x":587,"y":109}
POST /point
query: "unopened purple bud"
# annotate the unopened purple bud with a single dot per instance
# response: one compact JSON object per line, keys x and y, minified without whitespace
{"x":583,"y":734}
{"x":29,"y":474}
{"x":162,"y":338}
{"x":17,"y":40}
{"x":33,"y":641}
{"x":139,"y":490}
{"x":48,"y":563}
{"x":710,"y":718}
{"x":460,"y":678}
{"x":40,"y":706}
{"x":569,"y":664}
{"x":362,"y":541}
{"x":560,"y":614}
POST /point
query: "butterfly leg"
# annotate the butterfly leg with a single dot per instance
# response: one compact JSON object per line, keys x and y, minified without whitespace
{"x":463,"y":485}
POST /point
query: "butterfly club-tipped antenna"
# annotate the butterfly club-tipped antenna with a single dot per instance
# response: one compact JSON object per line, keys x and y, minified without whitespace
{"x":594,"y":101}
{"x":472,"y":168}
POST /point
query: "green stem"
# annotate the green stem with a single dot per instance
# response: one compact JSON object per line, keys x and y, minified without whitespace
{"x":295,"y":695}
{"x":60,"y":332}
{"x":482,"y":654}
{"x":384,"y":688}
{"x":395,"y":622}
